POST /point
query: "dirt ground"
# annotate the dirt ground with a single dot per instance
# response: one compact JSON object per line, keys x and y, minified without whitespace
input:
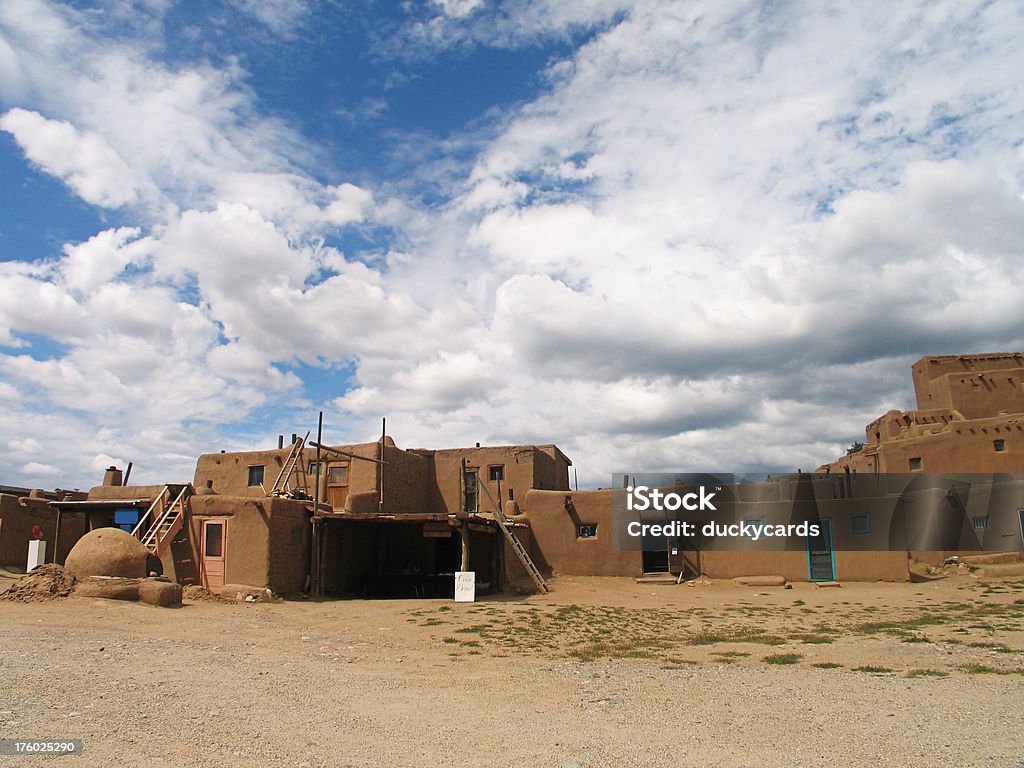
{"x":601,"y":672}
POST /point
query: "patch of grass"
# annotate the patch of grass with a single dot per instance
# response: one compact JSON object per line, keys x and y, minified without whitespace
{"x":983,"y":669}
{"x":450,"y":640}
{"x":475,"y":628}
{"x":927,"y":673}
{"x":814,"y":639}
{"x":730,"y":654}
{"x":915,"y":639}
{"x":783,"y":658}
{"x":997,"y":647}
{"x":826,"y":665}
{"x":871,"y":669}
{"x":735,"y":636}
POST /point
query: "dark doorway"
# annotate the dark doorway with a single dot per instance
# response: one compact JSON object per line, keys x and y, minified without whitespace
{"x":821,"y":564}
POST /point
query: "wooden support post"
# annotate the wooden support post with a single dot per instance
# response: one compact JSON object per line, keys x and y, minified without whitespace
{"x":56,"y":536}
{"x":464,"y":536}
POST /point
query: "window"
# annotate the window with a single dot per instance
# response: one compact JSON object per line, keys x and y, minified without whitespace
{"x":999,"y":445}
{"x":496,"y":473}
{"x":313,"y":468}
{"x":752,"y":521}
{"x":586,"y":531}
{"x":860,"y":524}
{"x":916,"y":464}
{"x":214,"y":544}
{"x":338,"y":475}
{"x":980,"y":523}
{"x":256,"y":475}
{"x":511,"y":495}
{"x":469,"y":502}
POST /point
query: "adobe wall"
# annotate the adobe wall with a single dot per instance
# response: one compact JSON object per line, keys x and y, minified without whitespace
{"x":979,"y":395}
{"x":550,"y":469}
{"x":724,"y":564}
{"x":849,"y":566}
{"x":929,"y":373}
{"x":229,"y":472}
{"x":520,"y":469}
{"x":408,"y":482}
{"x":116,"y":492}
{"x":17,"y":520}
{"x":554,"y":531}
{"x":961,"y":447}
{"x":247,"y":536}
{"x":289,"y":542}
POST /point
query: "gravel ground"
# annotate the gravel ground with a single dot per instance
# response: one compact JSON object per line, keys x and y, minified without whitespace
{"x":505,"y":683}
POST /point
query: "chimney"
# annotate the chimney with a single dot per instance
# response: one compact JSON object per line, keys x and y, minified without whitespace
{"x":112,"y":476}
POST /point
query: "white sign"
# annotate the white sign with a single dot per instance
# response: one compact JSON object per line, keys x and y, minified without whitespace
{"x":465,"y":586}
{"x":36,"y":554}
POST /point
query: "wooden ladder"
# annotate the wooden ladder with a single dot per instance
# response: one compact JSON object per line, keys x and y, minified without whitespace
{"x":294,"y":458}
{"x":513,"y":540}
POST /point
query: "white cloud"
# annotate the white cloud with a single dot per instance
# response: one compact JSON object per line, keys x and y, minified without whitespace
{"x":718,"y":235}
{"x":36,"y":468}
{"x":83,"y":160}
{"x":282,"y":17}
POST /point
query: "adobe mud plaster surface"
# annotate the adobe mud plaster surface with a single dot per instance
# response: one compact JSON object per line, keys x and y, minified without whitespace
{"x":600,"y":672}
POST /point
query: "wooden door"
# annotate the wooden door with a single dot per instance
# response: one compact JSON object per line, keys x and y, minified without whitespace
{"x":337,"y":484}
{"x":821,"y":564}
{"x":214,"y":539}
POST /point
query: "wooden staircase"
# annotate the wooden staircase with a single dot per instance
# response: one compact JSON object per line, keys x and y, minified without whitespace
{"x":163,"y":520}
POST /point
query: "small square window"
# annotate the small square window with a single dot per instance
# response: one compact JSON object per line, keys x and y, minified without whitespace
{"x":999,"y":445}
{"x":496,"y":473}
{"x":916,"y":464}
{"x":752,"y":521}
{"x":980,"y":523}
{"x":586,"y":531}
{"x":860,"y":524}
{"x":256,"y":475}
{"x":338,"y":475}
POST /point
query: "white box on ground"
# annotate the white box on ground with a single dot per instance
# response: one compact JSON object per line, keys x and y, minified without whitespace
{"x":36,"y":554}
{"x":465,"y":586}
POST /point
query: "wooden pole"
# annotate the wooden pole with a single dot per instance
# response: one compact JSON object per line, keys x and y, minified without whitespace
{"x":380,"y":466}
{"x":319,"y":437}
{"x":314,"y":544}
{"x":56,"y":536}
{"x":344,"y":453}
{"x":464,"y":535}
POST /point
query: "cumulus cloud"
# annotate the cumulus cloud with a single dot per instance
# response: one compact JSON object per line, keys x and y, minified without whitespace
{"x":713,"y":240}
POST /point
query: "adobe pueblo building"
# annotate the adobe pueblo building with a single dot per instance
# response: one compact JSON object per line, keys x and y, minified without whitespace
{"x":374,"y":520}
{"x":969,"y":418}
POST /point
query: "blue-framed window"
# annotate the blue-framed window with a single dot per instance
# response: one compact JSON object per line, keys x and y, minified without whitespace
{"x":860,"y":524}
{"x":752,"y":521}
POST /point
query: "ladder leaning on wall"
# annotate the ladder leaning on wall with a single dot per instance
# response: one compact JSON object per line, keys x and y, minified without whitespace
{"x":506,"y":528}
{"x":292,"y":463}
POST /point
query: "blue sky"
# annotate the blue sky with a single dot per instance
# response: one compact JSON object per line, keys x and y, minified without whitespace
{"x":668,"y":236}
